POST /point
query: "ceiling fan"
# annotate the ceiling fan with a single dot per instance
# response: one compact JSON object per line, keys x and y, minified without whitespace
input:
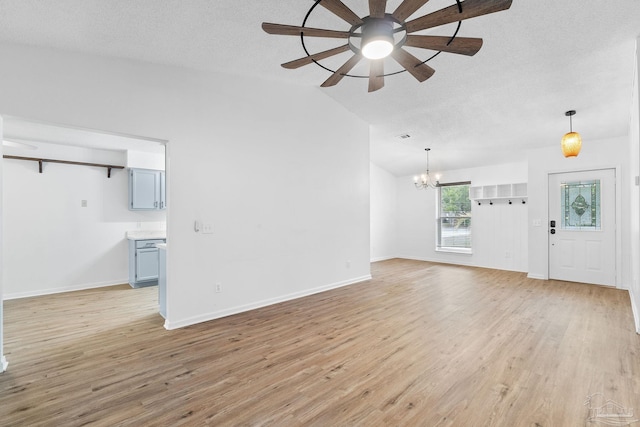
{"x":381,"y":34}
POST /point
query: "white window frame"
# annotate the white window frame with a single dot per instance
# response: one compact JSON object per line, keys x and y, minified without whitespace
{"x":439,"y":217}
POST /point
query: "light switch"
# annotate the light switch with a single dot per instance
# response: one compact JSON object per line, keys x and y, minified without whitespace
{"x":83,"y":203}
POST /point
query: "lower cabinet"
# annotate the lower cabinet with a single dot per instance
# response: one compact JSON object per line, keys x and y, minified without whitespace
{"x":144,"y":262}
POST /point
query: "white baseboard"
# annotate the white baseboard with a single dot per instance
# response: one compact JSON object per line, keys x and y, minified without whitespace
{"x":634,"y":309}
{"x":536,"y":276}
{"x":3,"y":364}
{"x":258,"y":304}
{"x":438,"y":261}
{"x":40,"y":292}
{"x":383,"y":258}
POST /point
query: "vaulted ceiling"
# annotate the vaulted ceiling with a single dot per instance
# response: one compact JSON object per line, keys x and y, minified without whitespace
{"x":539,"y":59}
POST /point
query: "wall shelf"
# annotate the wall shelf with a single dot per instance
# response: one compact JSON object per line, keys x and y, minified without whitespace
{"x":510,"y":192}
{"x":66,"y":162}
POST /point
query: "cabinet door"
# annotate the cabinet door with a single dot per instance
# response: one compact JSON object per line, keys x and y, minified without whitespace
{"x":163,"y":191}
{"x":147,"y":264}
{"x":144,"y":189}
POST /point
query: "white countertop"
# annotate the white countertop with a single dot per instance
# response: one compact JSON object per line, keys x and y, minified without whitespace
{"x":146,"y":234}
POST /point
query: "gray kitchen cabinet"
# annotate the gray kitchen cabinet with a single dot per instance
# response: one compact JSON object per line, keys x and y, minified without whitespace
{"x":163,"y":191}
{"x":147,"y":189}
{"x":144,"y":262}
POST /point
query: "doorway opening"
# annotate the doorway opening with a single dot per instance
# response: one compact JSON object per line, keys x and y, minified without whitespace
{"x":65,"y":225}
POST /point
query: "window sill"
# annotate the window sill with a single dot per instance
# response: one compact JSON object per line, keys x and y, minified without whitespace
{"x":465,"y":251}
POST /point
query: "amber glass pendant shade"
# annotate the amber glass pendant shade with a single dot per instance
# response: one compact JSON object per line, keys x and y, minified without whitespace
{"x":571,"y":144}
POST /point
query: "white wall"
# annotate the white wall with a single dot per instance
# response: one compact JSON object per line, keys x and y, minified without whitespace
{"x":634,"y":165}
{"x":53,"y":244}
{"x":600,"y":154}
{"x":287,"y":194}
{"x":383,"y":214}
{"x":145,"y":160}
{"x":499,"y":233}
{"x":3,"y":360}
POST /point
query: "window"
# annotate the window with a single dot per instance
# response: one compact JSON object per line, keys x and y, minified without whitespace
{"x":580,"y":202}
{"x":454,"y":218}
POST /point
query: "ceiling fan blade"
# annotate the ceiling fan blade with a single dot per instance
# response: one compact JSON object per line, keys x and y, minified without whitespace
{"x":470,"y":9}
{"x":377,"y":8}
{"x":293,"y":30}
{"x":461,"y":45}
{"x":340,"y":72}
{"x":412,"y":64}
{"x":339,"y":9}
{"x":376,"y":75}
{"x":315,"y":57}
{"x":407,"y":8}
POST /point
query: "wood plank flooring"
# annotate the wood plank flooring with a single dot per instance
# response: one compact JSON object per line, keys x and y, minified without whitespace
{"x":421,"y":344}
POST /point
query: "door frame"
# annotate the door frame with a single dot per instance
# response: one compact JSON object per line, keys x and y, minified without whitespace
{"x":3,"y":359}
{"x":618,"y":205}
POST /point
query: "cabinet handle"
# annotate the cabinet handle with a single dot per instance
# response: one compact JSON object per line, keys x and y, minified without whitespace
{"x":155,"y":204}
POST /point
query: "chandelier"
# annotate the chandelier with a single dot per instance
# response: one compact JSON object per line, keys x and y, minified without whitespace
{"x":425,"y":180}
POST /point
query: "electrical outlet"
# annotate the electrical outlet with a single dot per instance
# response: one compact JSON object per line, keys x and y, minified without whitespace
{"x":207,"y":228}
{"x":347,"y":264}
{"x":218,"y":287}
{"x":507,"y":254}
{"x":83,"y":203}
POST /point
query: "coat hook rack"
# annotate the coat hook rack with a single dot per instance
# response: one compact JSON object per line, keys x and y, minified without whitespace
{"x":66,"y":162}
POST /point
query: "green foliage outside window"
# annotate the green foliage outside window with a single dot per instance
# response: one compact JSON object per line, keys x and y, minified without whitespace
{"x":454,"y":221}
{"x":455,"y":199}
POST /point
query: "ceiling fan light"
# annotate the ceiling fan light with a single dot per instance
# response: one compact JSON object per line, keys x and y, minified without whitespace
{"x":378,"y":48}
{"x":571,"y":144}
{"x":377,"y":39}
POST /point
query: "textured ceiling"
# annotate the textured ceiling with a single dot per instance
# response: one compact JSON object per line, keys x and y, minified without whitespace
{"x":539,"y":59}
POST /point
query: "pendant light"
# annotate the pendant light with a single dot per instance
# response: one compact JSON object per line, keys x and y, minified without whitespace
{"x":571,"y":142}
{"x":425,"y":180}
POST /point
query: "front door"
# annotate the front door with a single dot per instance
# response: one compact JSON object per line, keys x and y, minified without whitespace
{"x":582,"y":226}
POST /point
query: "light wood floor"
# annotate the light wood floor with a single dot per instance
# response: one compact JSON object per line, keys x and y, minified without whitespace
{"x":419,"y":345}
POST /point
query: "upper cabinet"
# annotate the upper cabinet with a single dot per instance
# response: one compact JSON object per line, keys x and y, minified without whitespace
{"x":147,"y":190}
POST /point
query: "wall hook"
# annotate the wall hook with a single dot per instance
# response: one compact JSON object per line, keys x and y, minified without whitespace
{"x":491,"y":202}
{"x":523,"y":201}
{"x":509,"y":201}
